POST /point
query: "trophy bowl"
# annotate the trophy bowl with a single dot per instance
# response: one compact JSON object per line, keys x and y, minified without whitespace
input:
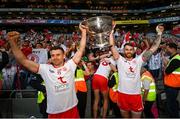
{"x":99,"y":28}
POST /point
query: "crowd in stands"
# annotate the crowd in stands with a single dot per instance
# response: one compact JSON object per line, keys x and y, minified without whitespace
{"x":92,"y":5}
{"x":81,"y":16}
{"x":89,"y":6}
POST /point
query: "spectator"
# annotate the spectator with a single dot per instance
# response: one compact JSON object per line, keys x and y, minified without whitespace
{"x":37,"y":83}
{"x":172,"y":80}
{"x":81,"y":87}
{"x":113,"y":85}
{"x":26,"y":49}
{"x":148,"y":91}
{"x":92,"y":70}
{"x":154,"y":64}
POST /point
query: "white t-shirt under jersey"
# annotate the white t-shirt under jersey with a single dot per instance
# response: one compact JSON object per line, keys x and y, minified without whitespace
{"x":129,"y":75}
{"x":60,"y":88}
{"x":104,"y":68}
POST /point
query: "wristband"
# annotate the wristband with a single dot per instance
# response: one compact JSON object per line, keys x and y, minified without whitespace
{"x":158,"y":30}
{"x":159,"y":33}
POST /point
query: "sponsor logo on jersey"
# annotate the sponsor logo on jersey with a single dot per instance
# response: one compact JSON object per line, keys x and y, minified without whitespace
{"x":61,"y":87}
{"x":50,"y":70}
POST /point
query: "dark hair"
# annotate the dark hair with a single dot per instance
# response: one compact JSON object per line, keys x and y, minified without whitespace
{"x":57,"y":48}
{"x":89,"y":62}
{"x":129,"y":44}
{"x":39,"y":43}
{"x":172,"y":45}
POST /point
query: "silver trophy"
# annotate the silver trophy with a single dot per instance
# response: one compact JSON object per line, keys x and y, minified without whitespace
{"x":99,"y":29}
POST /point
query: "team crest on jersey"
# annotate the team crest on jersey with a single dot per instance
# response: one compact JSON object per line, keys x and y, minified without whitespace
{"x":131,"y":69}
{"x":62,"y":80}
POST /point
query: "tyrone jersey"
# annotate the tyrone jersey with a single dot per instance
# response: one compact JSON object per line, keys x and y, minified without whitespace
{"x":104,"y":68}
{"x":129,"y":75}
{"x":60,"y":87}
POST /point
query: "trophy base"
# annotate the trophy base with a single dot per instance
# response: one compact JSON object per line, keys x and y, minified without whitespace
{"x":102,"y":45}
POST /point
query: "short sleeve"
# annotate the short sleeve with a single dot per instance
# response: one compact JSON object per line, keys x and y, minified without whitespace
{"x":42,"y":67}
{"x":72,"y":65}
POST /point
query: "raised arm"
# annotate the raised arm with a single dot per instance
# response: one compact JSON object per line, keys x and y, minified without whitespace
{"x":77,"y":57}
{"x":146,"y":43}
{"x":13,"y":37}
{"x":114,"y":69}
{"x":147,"y":54}
{"x":114,"y":51}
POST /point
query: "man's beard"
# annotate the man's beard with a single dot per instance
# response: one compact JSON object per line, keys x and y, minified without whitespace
{"x":129,"y":55}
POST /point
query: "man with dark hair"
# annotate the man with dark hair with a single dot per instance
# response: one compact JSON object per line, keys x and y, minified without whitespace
{"x":172,"y":45}
{"x":172,"y":80}
{"x":129,"y":85}
{"x":58,"y":76}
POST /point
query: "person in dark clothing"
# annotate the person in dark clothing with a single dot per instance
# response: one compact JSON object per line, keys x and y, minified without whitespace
{"x":38,"y":84}
{"x":175,"y":63}
{"x":172,"y":80}
{"x":112,"y":84}
{"x":4,"y":60}
{"x":81,"y":87}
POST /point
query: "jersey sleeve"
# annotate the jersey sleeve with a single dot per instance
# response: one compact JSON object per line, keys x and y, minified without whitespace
{"x":139,"y":60}
{"x":72,"y":65}
{"x":41,"y":68}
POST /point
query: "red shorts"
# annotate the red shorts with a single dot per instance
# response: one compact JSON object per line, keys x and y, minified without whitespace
{"x":72,"y":113}
{"x":99,"y":82}
{"x":128,"y":102}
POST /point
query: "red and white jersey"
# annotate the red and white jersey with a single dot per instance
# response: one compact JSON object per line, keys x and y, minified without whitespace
{"x":129,"y":75}
{"x":104,"y":68}
{"x":60,"y":86}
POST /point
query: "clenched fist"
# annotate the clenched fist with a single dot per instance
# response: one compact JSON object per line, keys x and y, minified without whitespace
{"x":159,"y":29}
{"x":13,"y":36}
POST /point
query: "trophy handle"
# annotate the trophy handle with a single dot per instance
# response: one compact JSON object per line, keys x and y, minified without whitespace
{"x":85,"y":25}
